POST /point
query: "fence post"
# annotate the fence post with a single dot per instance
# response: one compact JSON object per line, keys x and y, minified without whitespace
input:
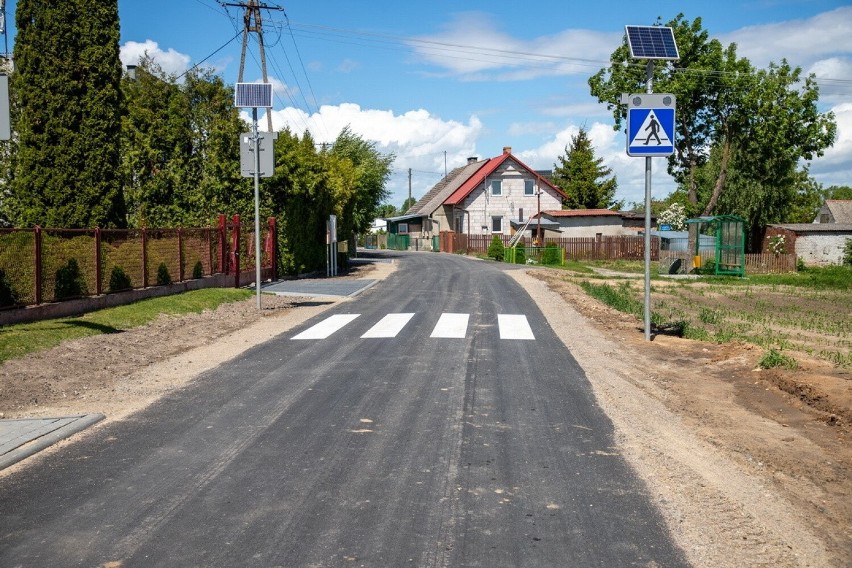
{"x":180,"y":255}
{"x":98,"y":268}
{"x":144,"y":258}
{"x":37,"y":239}
{"x":223,"y":245}
{"x":273,"y":253}
{"x":235,"y":248}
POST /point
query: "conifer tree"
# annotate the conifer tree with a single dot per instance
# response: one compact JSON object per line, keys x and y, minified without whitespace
{"x":583,"y":177}
{"x":66,"y":89}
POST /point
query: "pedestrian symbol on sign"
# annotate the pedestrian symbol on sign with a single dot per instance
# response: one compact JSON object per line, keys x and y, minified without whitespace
{"x":649,"y":131}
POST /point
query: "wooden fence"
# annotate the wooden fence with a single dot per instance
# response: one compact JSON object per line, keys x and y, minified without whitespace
{"x":586,"y":248}
{"x":763,"y":263}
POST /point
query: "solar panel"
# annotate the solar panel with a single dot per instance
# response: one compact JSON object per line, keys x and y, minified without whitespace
{"x":253,"y":95}
{"x":651,"y":42}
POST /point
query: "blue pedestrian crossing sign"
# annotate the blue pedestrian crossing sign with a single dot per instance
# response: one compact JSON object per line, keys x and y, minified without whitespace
{"x":650,"y":125}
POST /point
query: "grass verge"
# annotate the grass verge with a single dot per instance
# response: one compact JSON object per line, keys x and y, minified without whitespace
{"x":19,"y":339}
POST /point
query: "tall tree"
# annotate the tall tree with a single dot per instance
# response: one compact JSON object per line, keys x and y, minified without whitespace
{"x":726,"y":104}
{"x":583,"y":177}
{"x":66,"y":88}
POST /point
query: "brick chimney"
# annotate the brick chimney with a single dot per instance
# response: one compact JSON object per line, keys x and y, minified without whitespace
{"x":507,"y":149}
{"x":472,"y":160}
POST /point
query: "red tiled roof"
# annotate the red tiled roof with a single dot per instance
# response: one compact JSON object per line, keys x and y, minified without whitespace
{"x":490,"y":166}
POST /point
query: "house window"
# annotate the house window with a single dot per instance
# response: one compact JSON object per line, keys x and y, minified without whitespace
{"x":496,"y":187}
{"x":403,"y":228}
{"x":529,"y":187}
{"x":824,"y":218}
{"x":496,"y":224}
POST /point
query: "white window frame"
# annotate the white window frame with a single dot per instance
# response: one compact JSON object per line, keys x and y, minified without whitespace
{"x":494,"y":220}
{"x":529,"y":187}
{"x":496,"y":187}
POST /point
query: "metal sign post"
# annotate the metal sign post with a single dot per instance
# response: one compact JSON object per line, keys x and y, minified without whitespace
{"x":650,"y":124}
{"x":254,"y":95}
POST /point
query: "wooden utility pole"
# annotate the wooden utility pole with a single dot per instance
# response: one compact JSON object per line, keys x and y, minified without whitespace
{"x":252,"y":22}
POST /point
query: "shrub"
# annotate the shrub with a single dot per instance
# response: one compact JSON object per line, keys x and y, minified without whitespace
{"x":198,"y":270}
{"x":69,"y":281}
{"x":847,"y":253}
{"x":551,"y":254}
{"x":520,"y":255}
{"x":163,"y":276}
{"x":119,"y":280}
{"x":8,"y":296}
{"x":496,"y":250}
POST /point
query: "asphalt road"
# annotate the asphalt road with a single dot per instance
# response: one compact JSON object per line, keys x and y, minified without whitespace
{"x":481,"y":448}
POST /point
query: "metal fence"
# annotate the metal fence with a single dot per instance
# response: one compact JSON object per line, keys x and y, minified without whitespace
{"x":42,"y":265}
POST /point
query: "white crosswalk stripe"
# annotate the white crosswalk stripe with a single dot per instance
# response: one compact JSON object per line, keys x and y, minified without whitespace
{"x":453,"y":326}
{"x":389,"y":326}
{"x":449,"y":326}
{"x":514,"y":327}
{"x":327,"y":326}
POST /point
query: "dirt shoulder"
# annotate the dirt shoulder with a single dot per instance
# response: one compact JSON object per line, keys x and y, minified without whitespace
{"x":745,"y":473}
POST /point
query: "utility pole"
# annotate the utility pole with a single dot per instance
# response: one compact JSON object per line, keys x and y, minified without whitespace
{"x":409,"y":189}
{"x":252,"y":23}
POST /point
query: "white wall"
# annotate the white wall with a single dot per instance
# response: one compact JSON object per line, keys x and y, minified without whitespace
{"x":820,"y":249}
{"x":482,"y":205}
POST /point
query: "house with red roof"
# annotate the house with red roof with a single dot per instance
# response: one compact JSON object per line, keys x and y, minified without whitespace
{"x":492,"y":196}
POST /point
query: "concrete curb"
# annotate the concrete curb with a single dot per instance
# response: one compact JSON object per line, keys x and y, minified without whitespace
{"x":72,"y":425}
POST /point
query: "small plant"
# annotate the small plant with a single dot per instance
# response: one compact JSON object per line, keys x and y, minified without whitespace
{"x":520,"y":255}
{"x":119,"y":280}
{"x":778,"y":245}
{"x":551,"y":254}
{"x":163,"y":276}
{"x":774,"y":358}
{"x":847,"y":253}
{"x":800,"y":264}
{"x":198,"y":270}
{"x":8,"y":296}
{"x":496,"y":250}
{"x":69,"y":281}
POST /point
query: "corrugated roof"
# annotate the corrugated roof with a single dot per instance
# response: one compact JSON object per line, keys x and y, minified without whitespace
{"x":435,"y":197}
{"x":583,"y":213}
{"x":841,"y":209}
{"x":816,"y":227}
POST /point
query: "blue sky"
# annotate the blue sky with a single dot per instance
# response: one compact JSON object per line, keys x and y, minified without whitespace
{"x":436,"y":81}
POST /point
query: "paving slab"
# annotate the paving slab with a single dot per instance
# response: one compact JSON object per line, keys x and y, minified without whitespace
{"x":319,"y":287}
{"x":21,"y":438}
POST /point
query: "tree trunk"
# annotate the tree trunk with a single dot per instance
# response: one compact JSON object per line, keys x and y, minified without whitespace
{"x":720,"y":181}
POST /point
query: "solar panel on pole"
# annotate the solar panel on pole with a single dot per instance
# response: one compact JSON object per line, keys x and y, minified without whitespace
{"x":253,"y":95}
{"x":652,"y":42}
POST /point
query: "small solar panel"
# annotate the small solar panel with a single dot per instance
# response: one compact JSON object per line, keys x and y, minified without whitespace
{"x":651,"y":42}
{"x":253,"y":95}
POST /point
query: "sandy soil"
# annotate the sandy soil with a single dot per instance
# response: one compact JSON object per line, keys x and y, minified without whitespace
{"x":749,"y":467}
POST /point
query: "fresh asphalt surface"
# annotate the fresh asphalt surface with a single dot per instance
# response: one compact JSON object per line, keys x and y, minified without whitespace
{"x":407,"y":450}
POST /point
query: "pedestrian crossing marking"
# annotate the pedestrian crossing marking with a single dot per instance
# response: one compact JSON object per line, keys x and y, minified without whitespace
{"x":327,"y":326}
{"x":388,"y":326}
{"x":451,"y":326}
{"x":514,"y":327}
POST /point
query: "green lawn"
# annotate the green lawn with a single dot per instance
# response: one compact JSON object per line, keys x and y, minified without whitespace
{"x":19,"y":339}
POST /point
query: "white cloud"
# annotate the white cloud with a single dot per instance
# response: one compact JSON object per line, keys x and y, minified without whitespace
{"x":418,"y":138}
{"x":473,"y":46}
{"x":835,"y":167}
{"x":801,"y":42}
{"x":171,"y":61}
